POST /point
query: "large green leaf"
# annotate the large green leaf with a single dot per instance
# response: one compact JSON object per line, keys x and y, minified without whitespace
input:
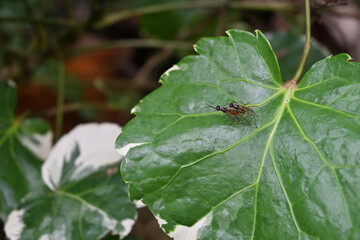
{"x":22,"y":145}
{"x":84,"y":199}
{"x":295,"y":176}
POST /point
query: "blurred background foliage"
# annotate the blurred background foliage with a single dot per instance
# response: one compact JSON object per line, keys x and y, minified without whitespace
{"x":94,"y":60}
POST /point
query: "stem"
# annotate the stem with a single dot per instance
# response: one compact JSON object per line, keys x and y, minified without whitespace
{"x":159,"y":57}
{"x":39,"y":29}
{"x":9,"y":132}
{"x":60,"y":99}
{"x":15,"y":124}
{"x":73,"y":107}
{"x":45,"y":21}
{"x":126,"y":43}
{"x":307,"y":46}
{"x":119,"y":16}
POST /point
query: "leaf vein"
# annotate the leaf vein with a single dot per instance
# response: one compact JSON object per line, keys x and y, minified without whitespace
{"x":324,"y":107}
{"x":237,"y":56}
{"x":284,"y":192}
{"x":249,"y":81}
{"x":324,"y":81}
{"x":80,"y":221}
{"x":267,"y":67}
{"x":277,"y":120}
{"x":310,"y":185}
{"x":332,"y":167}
{"x":219,"y":76}
{"x":213,"y":154}
{"x":83,"y":201}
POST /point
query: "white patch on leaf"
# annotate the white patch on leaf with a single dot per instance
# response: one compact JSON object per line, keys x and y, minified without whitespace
{"x":160,"y":220}
{"x":14,"y":224}
{"x":111,"y":223}
{"x":127,"y":224}
{"x":96,"y":149}
{"x":123,"y":151}
{"x":182,"y":232}
{"x":39,"y":144}
{"x":58,"y":234}
{"x":173,"y":68}
{"x":139,"y":204}
{"x":134,"y":110}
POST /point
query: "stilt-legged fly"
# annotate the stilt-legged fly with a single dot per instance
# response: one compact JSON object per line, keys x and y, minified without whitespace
{"x":235,"y":114}
{"x":244,"y":109}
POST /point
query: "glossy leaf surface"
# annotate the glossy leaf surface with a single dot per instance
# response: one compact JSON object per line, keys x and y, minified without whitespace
{"x":293,"y":177}
{"x":84,"y":200}
{"x":20,"y":152}
{"x":86,"y":209}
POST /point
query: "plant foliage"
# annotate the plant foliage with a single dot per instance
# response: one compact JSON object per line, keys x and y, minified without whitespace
{"x":73,"y":196}
{"x":293,"y":177}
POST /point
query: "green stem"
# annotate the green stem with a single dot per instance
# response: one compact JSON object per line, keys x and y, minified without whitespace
{"x":60,"y":99}
{"x":45,"y":21}
{"x":124,"y":14}
{"x":126,"y":43}
{"x":16,"y":123}
{"x":307,"y":46}
{"x":9,"y":132}
{"x":41,"y":35}
{"x":72,"y":107}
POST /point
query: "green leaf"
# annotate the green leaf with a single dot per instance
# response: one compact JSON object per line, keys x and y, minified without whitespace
{"x":84,"y":199}
{"x":86,"y":209}
{"x":20,"y":152}
{"x":295,"y":176}
{"x":85,"y":202}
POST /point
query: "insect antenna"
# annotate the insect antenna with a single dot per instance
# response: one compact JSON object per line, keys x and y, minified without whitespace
{"x":210,"y":106}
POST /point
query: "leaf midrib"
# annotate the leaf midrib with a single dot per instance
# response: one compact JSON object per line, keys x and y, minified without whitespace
{"x":84,"y":202}
{"x":9,"y":132}
{"x":269,"y":140}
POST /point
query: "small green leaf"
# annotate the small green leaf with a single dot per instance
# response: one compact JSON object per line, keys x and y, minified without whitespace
{"x":20,"y":157}
{"x":295,"y":176}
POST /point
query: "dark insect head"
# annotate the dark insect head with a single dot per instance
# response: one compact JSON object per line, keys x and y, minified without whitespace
{"x":217,"y":108}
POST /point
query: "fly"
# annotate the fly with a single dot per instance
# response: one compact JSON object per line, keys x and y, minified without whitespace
{"x":244,"y":109}
{"x":232,"y":113}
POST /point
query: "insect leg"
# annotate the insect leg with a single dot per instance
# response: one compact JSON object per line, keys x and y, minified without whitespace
{"x":254,"y":120}
{"x":242,"y":117}
{"x":253,"y":115}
